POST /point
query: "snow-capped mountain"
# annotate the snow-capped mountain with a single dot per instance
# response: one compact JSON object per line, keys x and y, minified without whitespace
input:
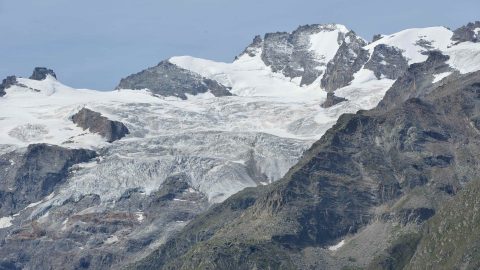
{"x":194,"y":132}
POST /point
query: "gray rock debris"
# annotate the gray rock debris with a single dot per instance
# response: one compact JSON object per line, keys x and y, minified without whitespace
{"x":40,"y":74}
{"x":96,"y":123}
{"x":167,"y":79}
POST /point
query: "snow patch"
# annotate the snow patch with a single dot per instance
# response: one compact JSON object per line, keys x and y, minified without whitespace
{"x":5,"y":222}
{"x":337,"y":246}
{"x":49,"y":197}
{"x":477,"y":32}
{"x":112,"y":239}
{"x":140,"y":216}
{"x":33,"y":204}
{"x":441,"y":76}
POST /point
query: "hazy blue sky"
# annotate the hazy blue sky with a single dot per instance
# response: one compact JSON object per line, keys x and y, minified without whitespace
{"x":94,"y":43}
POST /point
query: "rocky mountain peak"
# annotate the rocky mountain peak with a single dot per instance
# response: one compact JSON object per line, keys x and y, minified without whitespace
{"x":377,"y":37}
{"x":6,"y":83}
{"x":303,"y":53}
{"x":40,"y":73}
{"x":387,"y":61}
{"x":469,"y":32}
{"x":167,"y":79}
{"x":254,"y":48}
{"x":348,"y":60}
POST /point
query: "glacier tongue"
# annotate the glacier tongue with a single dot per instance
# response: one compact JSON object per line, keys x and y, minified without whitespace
{"x":217,"y":164}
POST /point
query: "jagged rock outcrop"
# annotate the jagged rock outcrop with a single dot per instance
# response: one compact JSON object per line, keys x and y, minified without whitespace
{"x":387,"y":61}
{"x":29,"y":176}
{"x":416,"y":83}
{"x":96,"y":123}
{"x":393,"y":167}
{"x":377,"y":37}
{"x":254,"y":48}
{"x":6,"y":83}
{"x":291,"y":53}
{"x":469,"y":32}
{"x":332,"y":100}
{"x":167,"y":79}
{"x":41,"y":73}
{"x":349,"y":59}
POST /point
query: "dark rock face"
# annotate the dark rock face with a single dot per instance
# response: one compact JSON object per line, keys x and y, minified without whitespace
{"x":40,"y":73}
{"x":349,"y":60}
{"x":253,"y":48}
{"x":387,"y":61}
{"x":6,"y":83}
{"x":167,"y":79}
{"x":417,"y":82}
{"x":377,"y":37}
{"x":417,"y":142}
{"x":28,"y":177}
{"x":332,"y":100}
{"x":96,"y":123}
{"x":469,"y":32}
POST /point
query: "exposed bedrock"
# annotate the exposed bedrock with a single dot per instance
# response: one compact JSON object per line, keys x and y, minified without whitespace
{"x":29,"y":176}
{"x":167,"y":79}
{"x":41,"y":73}
{"x":96,"y":123}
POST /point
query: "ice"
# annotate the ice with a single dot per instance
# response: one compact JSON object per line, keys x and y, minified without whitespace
{"x":408,"y":41}
{"x":216,"y":141}
{"x":464,"y":57}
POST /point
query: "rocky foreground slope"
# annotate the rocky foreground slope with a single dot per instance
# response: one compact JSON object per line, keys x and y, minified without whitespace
{"x":362,"y":196}
{"x":152,"y":176}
